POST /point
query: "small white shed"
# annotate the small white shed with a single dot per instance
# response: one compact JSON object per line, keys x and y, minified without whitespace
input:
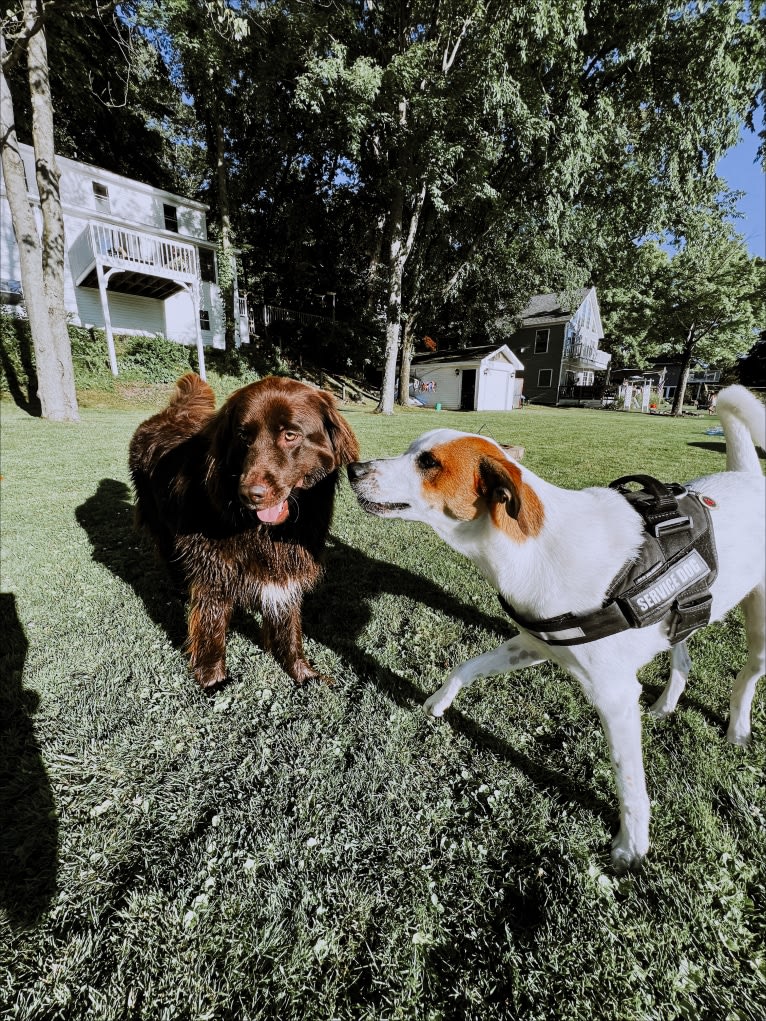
{"x":472,"y":379}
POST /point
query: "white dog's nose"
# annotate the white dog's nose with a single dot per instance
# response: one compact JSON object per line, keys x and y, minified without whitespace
{"x":358,"y":470}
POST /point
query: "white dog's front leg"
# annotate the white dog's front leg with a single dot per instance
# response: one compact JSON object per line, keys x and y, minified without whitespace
{"x":509,"y":656}
{"x":616,"y":701}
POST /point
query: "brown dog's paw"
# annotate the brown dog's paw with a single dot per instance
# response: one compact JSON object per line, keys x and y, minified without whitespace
{"x":211,"y":680}
{"x":302,"y":671}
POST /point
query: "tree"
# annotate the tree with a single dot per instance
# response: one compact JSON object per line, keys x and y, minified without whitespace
{"x":200,"y":40}
{"x":42,"y":260}
{"x":120,"y":111}
{"x":493,"y":136}
{"x":704,"y":309}
{"x":698,"y":304}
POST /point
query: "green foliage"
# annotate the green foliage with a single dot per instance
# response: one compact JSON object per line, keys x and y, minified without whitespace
{"x":140,"y":359}
{"x":129,"y":119}
{"x":15,"y":350}
{"x":153,"y":359}
{"x":701,"y":302}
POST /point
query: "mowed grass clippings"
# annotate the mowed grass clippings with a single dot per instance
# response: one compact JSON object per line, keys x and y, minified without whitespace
{"x":329,"y":852}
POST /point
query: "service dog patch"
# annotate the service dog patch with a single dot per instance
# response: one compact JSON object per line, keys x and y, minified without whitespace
{"x":690,"y":569}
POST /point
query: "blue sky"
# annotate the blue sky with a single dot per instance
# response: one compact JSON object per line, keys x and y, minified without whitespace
{"x":741,"y":170}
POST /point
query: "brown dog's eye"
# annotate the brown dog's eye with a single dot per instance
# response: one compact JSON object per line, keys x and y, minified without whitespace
{"x":427,"y":462}
{"x":290,"y":436}
{"x":242,"y":435}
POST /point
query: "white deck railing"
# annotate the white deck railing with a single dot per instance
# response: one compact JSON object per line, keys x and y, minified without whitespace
{"x":576,"y":351}
{"x":131,"y":250}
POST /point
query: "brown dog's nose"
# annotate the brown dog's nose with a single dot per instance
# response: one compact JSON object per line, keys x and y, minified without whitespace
{"x":254,"y":493}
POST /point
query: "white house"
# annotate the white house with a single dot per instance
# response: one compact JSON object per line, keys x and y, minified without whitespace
{"x":137,"y":259}
{"x":473,"y":379}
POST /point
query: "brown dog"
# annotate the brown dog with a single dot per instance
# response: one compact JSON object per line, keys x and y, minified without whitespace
{"x":239,"y":503}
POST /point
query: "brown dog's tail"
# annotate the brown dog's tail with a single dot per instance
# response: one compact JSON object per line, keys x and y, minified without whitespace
{"x":192,"y":395}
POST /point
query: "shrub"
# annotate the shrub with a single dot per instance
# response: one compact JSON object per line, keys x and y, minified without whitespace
{"x":140,"y":359}
{"x":152,"y":359}
{"x":16,"y":364}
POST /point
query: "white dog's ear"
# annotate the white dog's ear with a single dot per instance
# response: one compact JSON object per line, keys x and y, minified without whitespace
{"x":497,"y":485}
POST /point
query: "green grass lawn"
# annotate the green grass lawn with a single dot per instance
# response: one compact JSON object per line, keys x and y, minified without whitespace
{"x":329,"y":852}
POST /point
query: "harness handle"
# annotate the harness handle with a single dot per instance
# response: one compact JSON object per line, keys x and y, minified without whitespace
{"x":664,"y":494}
{"x":659,"y":504}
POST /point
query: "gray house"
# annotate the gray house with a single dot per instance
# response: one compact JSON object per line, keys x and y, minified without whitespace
{"x":559,"y":347}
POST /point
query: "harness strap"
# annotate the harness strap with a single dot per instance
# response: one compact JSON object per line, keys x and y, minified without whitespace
{"x":570,"y":628}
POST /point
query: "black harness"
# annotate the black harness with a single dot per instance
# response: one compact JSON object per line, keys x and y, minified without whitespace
{"x":670,"y":578}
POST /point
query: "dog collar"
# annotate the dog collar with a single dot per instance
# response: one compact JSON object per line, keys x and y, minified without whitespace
{"x":670,"y":577}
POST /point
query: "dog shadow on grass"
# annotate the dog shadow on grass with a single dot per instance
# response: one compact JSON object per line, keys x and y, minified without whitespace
{"x":28,"y":826}
{"x":335,"y":616}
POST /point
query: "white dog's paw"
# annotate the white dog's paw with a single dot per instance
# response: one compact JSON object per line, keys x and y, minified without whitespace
{"x":741,"y":738}
{"x":436,"y":705}
{"x":627,"y":854}
{"x":660,"y":709}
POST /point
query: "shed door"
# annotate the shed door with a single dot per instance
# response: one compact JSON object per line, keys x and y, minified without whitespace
{"x":496,"y":390}
{"x":468,"y":390}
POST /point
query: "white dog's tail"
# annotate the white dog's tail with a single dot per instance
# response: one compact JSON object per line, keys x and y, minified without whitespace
{"x":744,"y":424}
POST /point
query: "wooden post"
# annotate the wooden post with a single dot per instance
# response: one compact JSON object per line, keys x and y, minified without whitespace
{"x":195,"y":297}
{"x":102,"y":282}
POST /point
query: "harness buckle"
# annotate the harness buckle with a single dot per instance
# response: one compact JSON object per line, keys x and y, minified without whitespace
{"x":671,"y":525}
{"x":689,"y":614}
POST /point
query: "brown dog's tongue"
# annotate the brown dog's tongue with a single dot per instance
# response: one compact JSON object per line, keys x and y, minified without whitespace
{"x":274,"y":515}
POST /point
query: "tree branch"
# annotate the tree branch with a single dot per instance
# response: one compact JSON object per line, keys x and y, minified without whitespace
{"x":448,"y":59}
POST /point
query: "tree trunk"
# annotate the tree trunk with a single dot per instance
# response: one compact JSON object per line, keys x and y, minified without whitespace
{"x":52,"y":404}
{"x":408,"y":346}
{"x":394,"y":306}
{"x":227,"y":271}
{"x":47,"y":174}
{"x":683,"y":376}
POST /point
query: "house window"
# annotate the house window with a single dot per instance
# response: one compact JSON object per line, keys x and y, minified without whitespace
{"x":171,"y":217}
{"x":204,"y":319}
{"x":544,"y":378}
{"x":541,"y":341}
{"x":207,"y":265}
{"x":101,"y":197}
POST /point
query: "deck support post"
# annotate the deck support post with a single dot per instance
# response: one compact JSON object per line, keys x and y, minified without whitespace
{"x":103,"y":279}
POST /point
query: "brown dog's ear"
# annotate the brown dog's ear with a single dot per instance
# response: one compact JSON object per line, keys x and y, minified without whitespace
{"x":497,"y":484}
{"x":342,"y":438}
{"x":225,"y":451}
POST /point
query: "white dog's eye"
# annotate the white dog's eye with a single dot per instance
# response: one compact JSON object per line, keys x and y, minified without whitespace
{"x":426,"y":461}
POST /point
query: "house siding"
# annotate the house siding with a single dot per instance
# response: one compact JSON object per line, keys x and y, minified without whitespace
{"x":523,"y":345}
{"x":447,"y":392}
{"x":130,"y":313}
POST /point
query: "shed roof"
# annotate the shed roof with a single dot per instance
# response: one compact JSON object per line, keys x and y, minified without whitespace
{"x":466,"y":354}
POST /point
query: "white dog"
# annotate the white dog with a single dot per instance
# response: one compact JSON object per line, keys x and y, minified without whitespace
{"x":554,"y":556}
